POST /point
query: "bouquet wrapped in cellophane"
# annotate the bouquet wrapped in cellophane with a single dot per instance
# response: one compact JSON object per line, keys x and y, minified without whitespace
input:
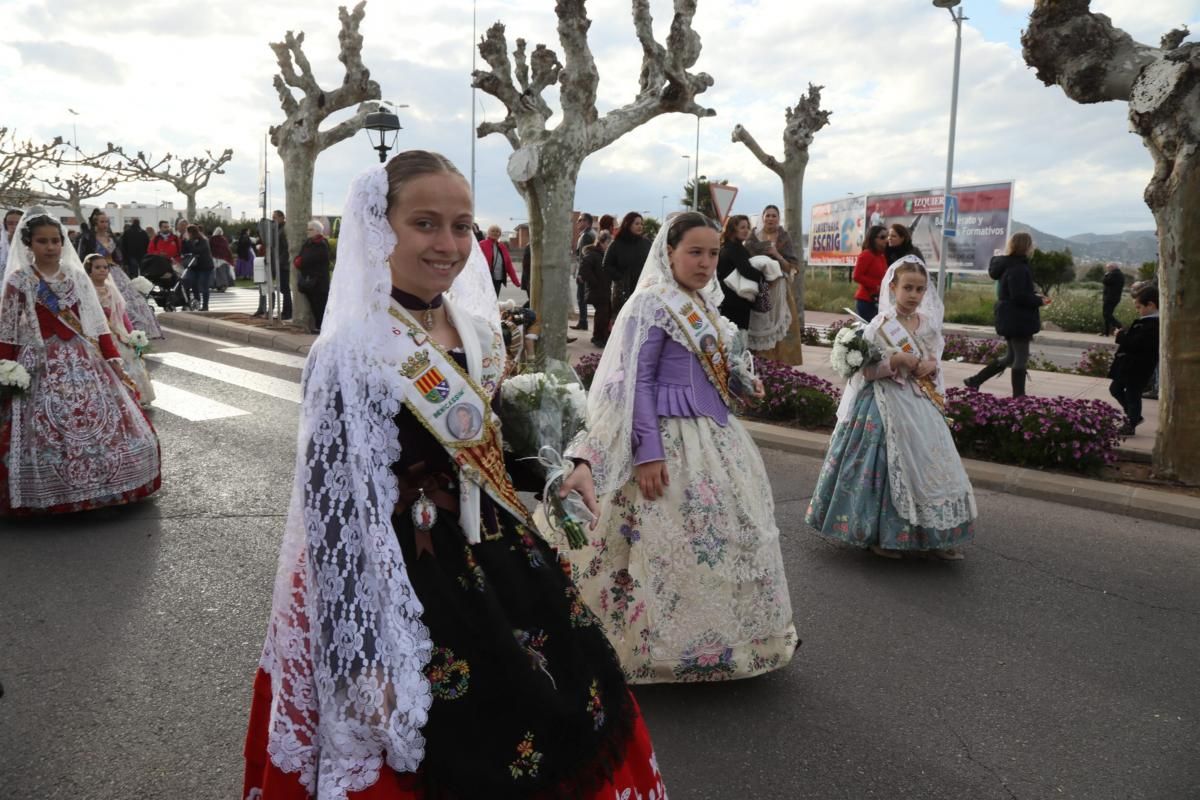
{"x":14,"y":380}
{"x":540,"y":413}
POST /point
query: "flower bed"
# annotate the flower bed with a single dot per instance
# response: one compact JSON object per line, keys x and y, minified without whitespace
{"x":1039,"y":432}
{"x":794,"y":397}
{"x":585,"y":368}
{"x":972,"y":350}
{"x":1096,"y":361}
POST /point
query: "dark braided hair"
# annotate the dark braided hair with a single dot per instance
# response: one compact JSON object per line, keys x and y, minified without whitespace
{"x":39,"y":221}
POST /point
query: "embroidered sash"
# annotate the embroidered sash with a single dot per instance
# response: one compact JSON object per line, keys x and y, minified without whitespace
{"x":703,"y":338}
{"x":453,"y":407}
{"x":899,"y":338}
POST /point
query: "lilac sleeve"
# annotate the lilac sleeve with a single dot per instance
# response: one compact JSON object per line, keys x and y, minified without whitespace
{"x":647,"y":441}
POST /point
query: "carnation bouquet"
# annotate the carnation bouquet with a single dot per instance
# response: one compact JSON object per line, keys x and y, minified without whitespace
{"x":142,"y":285}
{"x":851,"y":351}
{"x":14,"y":379}
{"x":541,"y":412}
{"x":140,"y":342}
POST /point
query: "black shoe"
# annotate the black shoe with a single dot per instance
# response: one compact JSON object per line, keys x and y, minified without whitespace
{"x":579,"y":327}
{"x":1128,"y":430}
{"x":1150,"y":394}
{"x":571,"y":340}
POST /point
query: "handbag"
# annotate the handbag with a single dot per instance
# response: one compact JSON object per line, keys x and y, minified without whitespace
{"x":306,"y":283}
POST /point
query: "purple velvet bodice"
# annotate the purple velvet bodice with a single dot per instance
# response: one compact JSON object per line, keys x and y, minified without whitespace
{"x":670,"y":383}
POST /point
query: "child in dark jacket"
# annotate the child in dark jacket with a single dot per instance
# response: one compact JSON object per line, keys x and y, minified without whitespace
{"x":1137,"y":358}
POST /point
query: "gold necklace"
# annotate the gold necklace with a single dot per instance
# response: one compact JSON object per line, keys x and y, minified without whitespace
{"x":427,"y":319}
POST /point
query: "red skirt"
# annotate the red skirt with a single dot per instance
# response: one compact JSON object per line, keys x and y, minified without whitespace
{"x":638,"y":775}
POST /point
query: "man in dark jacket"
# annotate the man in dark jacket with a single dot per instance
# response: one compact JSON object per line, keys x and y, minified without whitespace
{"x":1136,"y":359}
{"x":134,"y":243}
{"x":283,"y":265}
{"x":1114,"y":285}
{"x":587,"y":236}
{"x":599,"y":287}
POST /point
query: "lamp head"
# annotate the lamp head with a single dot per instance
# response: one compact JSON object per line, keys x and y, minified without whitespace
{"x":946,"y":3}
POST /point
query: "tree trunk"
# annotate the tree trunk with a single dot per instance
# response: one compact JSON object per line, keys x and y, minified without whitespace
{"x":1178,"y":223}
{"x":793,"y":196}
{"x":191,"y":205}
{"x":550,"y":200}
{"x":299,"y":164}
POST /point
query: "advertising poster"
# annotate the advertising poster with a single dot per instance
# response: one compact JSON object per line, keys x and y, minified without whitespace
{"x":836,"y":231}
{"x":984,"y":221}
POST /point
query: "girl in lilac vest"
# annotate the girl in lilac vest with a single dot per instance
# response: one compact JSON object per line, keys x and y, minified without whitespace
{"x":684,"y":567}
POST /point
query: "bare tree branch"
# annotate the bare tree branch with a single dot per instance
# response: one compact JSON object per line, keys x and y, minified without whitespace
{"x":742,"y":135}
{"x":19,"y":161}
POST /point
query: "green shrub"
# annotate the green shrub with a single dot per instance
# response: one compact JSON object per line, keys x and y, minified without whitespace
{"x":794,"y":397}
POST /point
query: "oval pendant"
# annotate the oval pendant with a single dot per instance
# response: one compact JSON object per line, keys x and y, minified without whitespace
{"x":424,"y":513}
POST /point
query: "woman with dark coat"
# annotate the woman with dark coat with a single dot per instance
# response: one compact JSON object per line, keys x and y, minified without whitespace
{"x":314,"y":260}
{"x":624,"y":259}
{"x":900,"y":244}
{"x":1018,"y":315}
{"x":599,"y":287}
{"x":735,"y":256}
{"x":200,"y":273}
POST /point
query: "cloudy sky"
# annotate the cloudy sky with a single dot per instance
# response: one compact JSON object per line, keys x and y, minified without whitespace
{"x":176,"y":76}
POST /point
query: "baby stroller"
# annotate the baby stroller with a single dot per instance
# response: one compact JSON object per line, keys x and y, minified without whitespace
{"x":168,"y":288}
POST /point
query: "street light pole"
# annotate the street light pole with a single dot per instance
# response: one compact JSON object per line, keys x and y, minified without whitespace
{"x":474,"y":36}
{"x":688,"y":177}
{"x":662,"y":212}
{"x":958,"y":21}
{"x":696,"y":184}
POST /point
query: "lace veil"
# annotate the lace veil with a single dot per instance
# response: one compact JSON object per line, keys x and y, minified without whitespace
{"x":346,"y":648}
{"x":930,"y":335}
{"x":23,"y":329}
{"x":608,"y":443}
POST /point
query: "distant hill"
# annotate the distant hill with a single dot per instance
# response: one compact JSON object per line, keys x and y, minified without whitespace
{"x":1132,"y":247}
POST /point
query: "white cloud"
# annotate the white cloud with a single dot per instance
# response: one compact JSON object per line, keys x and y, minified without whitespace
{"x":184,"y":79}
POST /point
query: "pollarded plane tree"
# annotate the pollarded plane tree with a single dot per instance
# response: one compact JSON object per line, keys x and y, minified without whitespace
{"x":299,"y":139}
{"x":801,"y":122}
{"x":546,"y":161}
{"x":1093,"y":62}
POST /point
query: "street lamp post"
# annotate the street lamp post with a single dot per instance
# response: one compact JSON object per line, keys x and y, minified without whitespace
{"x":958,"y":21}
{"x":688,"y":177}
{"x":474,"y":37}
{"x":662,"y":213}
{"x":379,"y":124}
{"x":696,"y":183}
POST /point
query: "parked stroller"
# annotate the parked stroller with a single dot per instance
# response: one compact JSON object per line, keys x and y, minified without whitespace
{"x":168,"y":288}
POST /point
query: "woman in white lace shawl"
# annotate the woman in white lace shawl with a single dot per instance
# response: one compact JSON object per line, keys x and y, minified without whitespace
{"x":684,"y":566}
{"x":424,"y":642}
{"x":892,"y":479}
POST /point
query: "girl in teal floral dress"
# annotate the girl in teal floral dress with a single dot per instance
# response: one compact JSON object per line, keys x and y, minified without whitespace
{"x":892,"y":479}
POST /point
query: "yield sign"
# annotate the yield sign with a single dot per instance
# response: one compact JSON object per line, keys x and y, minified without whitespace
{"x":722,"y":197}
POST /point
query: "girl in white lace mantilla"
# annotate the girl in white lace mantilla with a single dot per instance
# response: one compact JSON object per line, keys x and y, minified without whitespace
{"x":424,"y":642}
{"x":113,"y":304}
{"x":684,"y":568}
{"x":892,"y":479}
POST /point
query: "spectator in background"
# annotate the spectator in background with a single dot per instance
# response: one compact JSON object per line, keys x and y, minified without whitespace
{"x":734,"y":257}
{"x":313,"y":280}
{"x":134,"y":243}
{"x":1114,"y":286}
{"x":199,"y":277}
{"x":1136,"y":359}
{"x":773,"y":241}
{"x":97,"y":237}
{"x":166,"y":243}
{"x":900,"y":244}
{"x":606,"y":224}
{"x":869,"y":269}
{"x":283,"y":265}
{"x":526,"y":273}
{"x":11,"y":218}
{"x":598,"y":285}
{"x":244,"y":266}
{"x":624,"y":259}
{"x":495,"y":252}
{"x":587,"y":235}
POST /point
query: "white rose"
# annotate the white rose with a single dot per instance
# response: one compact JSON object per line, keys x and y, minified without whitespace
{"x":854,"y":358}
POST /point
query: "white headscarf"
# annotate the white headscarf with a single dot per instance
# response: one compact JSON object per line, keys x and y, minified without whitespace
{"x":929,"y":333}
{"x":23,"y":329}
{"x":346,"y":647}
{"x":608,"y":443}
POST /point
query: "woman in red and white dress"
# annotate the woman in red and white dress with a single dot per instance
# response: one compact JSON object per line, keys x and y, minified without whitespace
{"x":424,"y":640}
{"x":75,"y":439}
{"x":98,"y":269}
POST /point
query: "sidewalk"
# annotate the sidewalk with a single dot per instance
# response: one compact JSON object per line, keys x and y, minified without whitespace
{"x":823,"y":319}
{"x":1117,"y":498}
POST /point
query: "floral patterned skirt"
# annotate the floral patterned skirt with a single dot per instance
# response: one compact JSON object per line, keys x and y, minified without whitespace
{"x":691,"y":587}
{"x":852,"y":501}
{"x":528,"y":697}
{"x":76,"y":440}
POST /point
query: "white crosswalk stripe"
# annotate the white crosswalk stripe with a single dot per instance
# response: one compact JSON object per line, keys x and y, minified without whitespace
{"x":234,"y":300}
{"x":263,"y":384}
{"x":190,"y":406}
{"x":267,"y":356}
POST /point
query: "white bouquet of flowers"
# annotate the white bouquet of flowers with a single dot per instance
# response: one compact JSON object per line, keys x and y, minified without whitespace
{"x":540,"y":413}
{"x":143,"y":286}
{"x":140,"y":342}
{"x":851,"y":351}
{"x":14,"y":379}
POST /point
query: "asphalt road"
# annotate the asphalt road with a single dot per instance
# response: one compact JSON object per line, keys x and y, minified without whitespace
{"x":1058,"y":661}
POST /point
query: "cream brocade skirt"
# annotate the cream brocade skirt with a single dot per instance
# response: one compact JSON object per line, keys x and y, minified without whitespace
{"x":691,"y":587}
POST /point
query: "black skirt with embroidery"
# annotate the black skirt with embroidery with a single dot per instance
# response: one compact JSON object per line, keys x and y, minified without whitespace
{"x":529,"y":697}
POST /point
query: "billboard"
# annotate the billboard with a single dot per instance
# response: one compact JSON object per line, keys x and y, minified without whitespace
{"x":984,"y":222}
{"x":836,"y":231}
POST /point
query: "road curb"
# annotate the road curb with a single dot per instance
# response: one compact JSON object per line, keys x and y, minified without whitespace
{"x":236,"y":332}
{"x":1068,"y":490}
